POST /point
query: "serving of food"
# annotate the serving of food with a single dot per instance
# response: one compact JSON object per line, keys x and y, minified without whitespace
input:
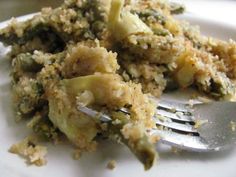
{"x":107,"y":55}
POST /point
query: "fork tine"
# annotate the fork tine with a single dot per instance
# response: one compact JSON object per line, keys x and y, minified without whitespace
{"x":94,"y":114}
{"x":170,"y":105}
{"x":173,"y":110}
{"x":182,"y":141}
{"x":187,"y":128}
{"x":175,"y":116}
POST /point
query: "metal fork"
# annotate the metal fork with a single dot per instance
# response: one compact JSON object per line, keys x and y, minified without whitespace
{"x":177,"y":124}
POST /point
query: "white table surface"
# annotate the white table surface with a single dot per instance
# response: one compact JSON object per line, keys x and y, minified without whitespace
{"x":214,"y":10}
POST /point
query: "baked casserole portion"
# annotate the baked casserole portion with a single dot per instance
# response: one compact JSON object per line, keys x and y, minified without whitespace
{"x":107,"y":55}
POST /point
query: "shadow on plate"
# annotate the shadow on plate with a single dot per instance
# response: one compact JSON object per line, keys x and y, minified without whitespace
{"x":107,"y":150}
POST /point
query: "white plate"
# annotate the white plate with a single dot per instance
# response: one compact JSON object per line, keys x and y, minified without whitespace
{"x":60,"y":163}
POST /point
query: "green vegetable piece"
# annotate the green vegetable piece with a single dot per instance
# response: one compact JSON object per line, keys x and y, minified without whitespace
{"x":176,"y":8}
{"x":220,"y":87}
{"x":142,"y":148}
{"x":145,"y":14}
{"x":79,"y":128}
{"x":27,"y":63}
{"x":123,"y":23}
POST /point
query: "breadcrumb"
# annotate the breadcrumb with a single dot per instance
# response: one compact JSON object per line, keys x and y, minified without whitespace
{"x":175,"y":150}
{"x":199,"y":123}
{"x":233,"y":126}
{"x":111,"y":165}
{"x":34,"y":154}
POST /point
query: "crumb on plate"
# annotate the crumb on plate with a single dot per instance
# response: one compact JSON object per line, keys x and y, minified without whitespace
{"x":28,"y":149}
{"x":111,"y":165}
